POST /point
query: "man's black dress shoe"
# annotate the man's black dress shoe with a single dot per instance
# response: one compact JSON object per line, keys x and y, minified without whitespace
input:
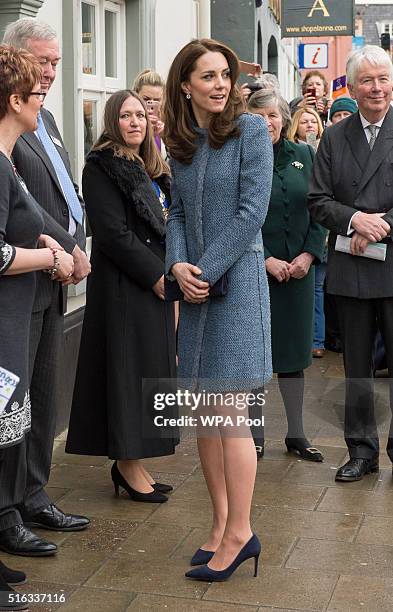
{"x":51,"y":517}
{"x":18,"y":540}
{"x":356,"y":468}
{"x":6,"y":597}
{"x":12,"y":576}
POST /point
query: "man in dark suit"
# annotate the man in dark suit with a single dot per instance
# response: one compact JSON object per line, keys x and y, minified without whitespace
{"x":42,"y":160}
{"x":351,"y":194}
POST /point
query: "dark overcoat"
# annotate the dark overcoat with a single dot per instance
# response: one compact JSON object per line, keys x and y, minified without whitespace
{"x":287,"y":232}
{"x":348,"y":177}
{"x":128,"y":332}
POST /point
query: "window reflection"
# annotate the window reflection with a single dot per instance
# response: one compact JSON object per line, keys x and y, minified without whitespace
{"x":90,"y":124}
{"x":110,"y":44}
{"x":88,"y":39}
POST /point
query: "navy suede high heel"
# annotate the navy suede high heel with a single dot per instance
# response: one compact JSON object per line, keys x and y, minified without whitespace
{"x":201,"y":557}
{"x":250,"y":550}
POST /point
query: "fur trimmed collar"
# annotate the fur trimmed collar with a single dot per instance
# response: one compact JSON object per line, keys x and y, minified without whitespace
{"x":135,"y":185}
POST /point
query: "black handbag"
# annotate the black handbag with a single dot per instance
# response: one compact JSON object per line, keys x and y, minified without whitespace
{"x":173,"y":293}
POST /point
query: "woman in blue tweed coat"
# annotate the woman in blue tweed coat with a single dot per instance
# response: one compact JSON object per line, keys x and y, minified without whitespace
{"x":222,"y":172}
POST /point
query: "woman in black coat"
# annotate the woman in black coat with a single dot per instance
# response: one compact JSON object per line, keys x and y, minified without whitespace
{"x":128,"y":333}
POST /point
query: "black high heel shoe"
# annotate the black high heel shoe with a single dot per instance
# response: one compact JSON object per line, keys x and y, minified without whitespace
{"x":302,"y":448}
{"x":155,"y":497}
{"x":250,"y":550}
{"x":162,"y":487}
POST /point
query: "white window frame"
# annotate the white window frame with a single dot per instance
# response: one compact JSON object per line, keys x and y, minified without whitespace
{"x":99,"y":87}
{"x":114,"y":83}
{"x":88,"y":81}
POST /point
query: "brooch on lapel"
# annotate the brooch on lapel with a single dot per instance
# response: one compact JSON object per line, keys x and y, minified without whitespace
{"x":297,"y":165}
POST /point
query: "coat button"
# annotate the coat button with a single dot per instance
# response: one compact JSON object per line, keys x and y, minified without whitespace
{"x":148,"y":241}
{"x":65,"y":212}
{"x":286,"y":216}
{"x":284,"y":188}
{"x":354,"y":183}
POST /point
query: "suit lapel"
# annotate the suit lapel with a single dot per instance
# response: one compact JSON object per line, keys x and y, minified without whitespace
{"x":36,"y":145}
{"x":383,"y":145}
{"x":357,"y":140}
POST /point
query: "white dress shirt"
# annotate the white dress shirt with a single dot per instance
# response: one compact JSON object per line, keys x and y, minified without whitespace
{"x":365,"y":123}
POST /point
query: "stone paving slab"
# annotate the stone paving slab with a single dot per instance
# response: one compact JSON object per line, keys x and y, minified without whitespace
{"x":154,"y":603}
{"x":276,"y":587}
{"x":138,"y":573}
{"x":362,"y":593}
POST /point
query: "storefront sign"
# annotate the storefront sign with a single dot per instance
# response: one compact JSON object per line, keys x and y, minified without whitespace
{"x":317,"y":18}
{"x":313,"y":56}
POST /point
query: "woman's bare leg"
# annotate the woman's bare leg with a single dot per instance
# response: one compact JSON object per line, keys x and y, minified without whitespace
{"x":212,"y":460}
{"x":240,"y":464}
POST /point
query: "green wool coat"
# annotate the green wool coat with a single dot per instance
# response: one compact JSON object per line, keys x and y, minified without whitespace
{"x":287,"y":232}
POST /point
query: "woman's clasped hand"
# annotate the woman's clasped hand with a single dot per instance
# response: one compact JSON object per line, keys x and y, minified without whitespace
{"x":195,"y":291}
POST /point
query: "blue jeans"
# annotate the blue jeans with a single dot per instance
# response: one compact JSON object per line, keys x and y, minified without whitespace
{"x":319,"y":314}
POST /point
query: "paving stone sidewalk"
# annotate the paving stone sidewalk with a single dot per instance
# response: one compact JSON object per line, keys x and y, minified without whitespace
{"x":326,"y":546}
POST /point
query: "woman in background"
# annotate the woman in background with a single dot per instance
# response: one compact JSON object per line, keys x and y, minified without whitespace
{"x":306,"y":127}
{"x":128,"y":335}
{"x":151,"y":87}
{"x":292,"y":244}
{"x":23,"y":250}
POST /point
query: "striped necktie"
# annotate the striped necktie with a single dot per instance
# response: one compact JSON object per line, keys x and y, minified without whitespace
{"x":373,"y":131}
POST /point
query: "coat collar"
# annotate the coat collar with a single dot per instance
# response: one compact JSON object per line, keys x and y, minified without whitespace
{"x":369,"y":161}
{"x":135,"y":185}
{"x":31,"y":139}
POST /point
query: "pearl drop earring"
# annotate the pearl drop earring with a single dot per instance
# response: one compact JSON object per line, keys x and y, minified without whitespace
{"x":188,"y":96}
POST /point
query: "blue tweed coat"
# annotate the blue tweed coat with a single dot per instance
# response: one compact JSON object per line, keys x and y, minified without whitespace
{"x":219,"y":204}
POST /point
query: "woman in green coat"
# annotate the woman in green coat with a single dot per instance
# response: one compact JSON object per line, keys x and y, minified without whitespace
{"x":292,"y":242}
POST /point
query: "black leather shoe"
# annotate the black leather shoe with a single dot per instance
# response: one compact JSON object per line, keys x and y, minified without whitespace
{"x":18,"y":540}
{"x":12,"y":576}
{"x":6,"y":597}
{"x":51,"y":517}
{"x":356,"y":468}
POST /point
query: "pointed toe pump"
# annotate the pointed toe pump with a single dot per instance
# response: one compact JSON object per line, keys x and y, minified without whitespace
{"x":155,"y":497}
{"x":201,"y":557}
{"x":251,"y":550}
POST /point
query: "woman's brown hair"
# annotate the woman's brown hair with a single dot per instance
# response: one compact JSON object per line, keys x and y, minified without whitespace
{"x":111,"y":137}
{"x":20,"y":71}
{"x":179,"y":134}
{"x":293,"y":128}
{"x":315,"y":73}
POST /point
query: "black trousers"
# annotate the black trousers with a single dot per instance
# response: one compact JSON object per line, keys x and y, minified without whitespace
{"x":359,"y":320}
{"x":13,"y":483}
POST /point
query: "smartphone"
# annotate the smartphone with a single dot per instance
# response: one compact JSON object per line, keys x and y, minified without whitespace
{"x":153,"y":107}
{"x":311,"y":91}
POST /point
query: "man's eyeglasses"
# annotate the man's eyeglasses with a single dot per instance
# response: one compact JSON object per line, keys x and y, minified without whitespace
{"x":40,"y":94}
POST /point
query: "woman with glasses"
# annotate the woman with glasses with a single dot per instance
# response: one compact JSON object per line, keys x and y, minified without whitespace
{"x":23,"y":250}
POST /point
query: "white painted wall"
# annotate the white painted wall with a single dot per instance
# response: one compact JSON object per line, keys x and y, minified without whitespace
{"x":175,"y":25}
{"x":51,"y":12}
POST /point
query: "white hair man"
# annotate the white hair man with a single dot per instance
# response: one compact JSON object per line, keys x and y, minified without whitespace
{"x":42,"y":161}
{"x":351,"y":194}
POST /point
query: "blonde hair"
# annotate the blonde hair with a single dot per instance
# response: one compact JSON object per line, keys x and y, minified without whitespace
{"x":293,"y":128}
{"x":147,"y":77}
{"x":111,"y":137}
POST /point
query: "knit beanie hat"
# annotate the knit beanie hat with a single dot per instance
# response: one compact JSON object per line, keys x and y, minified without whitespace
{"x":343,"y":104}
